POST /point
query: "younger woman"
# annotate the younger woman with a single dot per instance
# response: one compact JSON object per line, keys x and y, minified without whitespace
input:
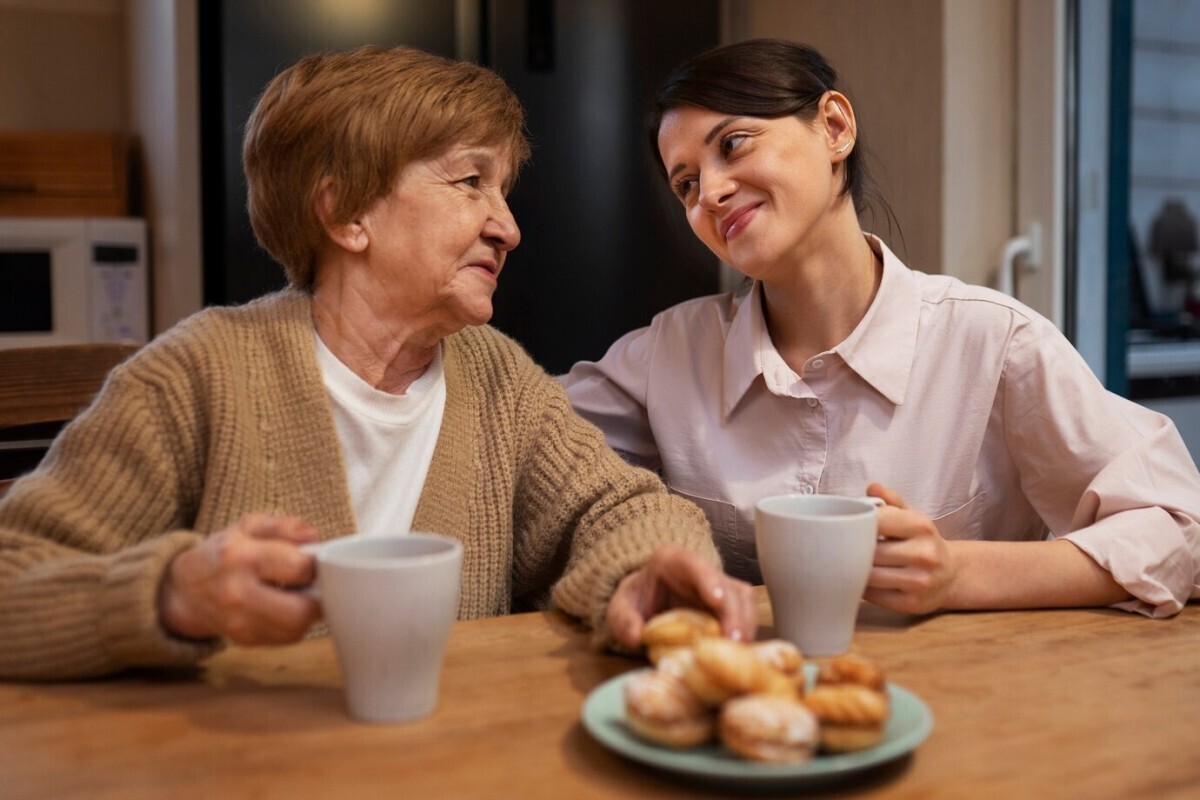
{"x":1013,"y":479}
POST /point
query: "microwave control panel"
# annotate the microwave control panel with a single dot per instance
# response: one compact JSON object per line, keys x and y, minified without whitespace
{"x":117,"y":308}
{"x":118,"y":280}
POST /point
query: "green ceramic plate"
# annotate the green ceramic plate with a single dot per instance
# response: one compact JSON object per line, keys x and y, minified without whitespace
{"x":604,"y":717}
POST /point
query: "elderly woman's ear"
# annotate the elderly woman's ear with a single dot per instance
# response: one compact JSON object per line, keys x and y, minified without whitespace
{"x":351,"y":235}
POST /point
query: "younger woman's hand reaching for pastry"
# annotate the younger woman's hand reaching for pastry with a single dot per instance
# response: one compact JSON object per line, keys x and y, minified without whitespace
{"x":915,"y":569}
{"x":675,"y":577}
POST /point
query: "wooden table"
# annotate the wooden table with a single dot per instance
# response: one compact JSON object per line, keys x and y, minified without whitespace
{"x":1089,"y":704}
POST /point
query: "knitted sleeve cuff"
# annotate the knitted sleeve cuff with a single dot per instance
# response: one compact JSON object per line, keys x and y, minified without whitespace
{"x":130,"y":630}
{"x":588,"y":585}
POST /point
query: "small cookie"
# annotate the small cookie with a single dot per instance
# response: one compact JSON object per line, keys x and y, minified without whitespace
{"x":785,"y":658}
{"x":777,"y":683}
{"x":852,"y":668}
{"x":852,"y":717}
{"x":676,"y":662}
{"x":678,"y":627}
{"x":768,"y":728}
{"x":722,"y":668}
{"x":660,"y":709}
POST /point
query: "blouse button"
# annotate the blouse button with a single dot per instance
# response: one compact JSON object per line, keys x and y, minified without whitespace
{"x":808,"y":489}
{"x":812,"y":402}
{"x":818,"y":363}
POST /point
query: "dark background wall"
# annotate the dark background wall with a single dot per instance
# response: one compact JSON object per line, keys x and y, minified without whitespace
{"x":604,"y":246}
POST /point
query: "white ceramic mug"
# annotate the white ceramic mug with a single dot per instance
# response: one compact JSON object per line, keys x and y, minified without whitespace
{"x":815,"y":552}
{"x":389,"y":602}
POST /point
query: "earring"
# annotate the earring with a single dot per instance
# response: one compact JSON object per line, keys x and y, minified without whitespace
{"x":846,"y":146}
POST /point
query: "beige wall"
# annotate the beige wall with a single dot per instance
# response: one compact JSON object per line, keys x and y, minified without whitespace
{"x":979,"y":140}
{"x":889,"y":58}
{"x":62,"y":65}
{"x":125,"y":65}
{"x":932,"y":83}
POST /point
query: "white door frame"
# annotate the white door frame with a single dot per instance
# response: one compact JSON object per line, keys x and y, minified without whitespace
{"x":1036,"y":273}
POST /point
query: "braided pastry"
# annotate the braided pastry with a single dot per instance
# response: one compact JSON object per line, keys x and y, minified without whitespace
{"x":852,"y":717}
{"x":854,"y":669}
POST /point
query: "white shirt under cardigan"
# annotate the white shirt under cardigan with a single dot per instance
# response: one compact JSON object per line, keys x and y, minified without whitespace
{"x":971,"y":405}
{"x":387,"y":440}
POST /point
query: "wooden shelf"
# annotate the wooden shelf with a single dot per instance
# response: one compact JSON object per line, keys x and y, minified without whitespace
{"x":59,"y":173}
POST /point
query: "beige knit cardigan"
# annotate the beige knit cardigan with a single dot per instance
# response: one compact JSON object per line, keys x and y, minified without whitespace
{"x":227,"y":414}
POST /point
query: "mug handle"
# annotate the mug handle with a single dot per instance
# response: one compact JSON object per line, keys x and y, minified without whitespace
{"x":311,"y":590}
{"x":878,"y":502}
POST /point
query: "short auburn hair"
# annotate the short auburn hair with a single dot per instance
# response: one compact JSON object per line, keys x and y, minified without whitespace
{"x":359,"y":117}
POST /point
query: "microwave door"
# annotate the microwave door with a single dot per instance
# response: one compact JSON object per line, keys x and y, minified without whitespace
{"x":26,"y":291}
{"x":44,"y":283}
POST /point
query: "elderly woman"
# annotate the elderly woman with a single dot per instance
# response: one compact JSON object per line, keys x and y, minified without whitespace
{"x":366,"y":397}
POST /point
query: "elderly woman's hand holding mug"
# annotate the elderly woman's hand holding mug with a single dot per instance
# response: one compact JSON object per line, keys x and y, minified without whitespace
{"x":233,"y":584}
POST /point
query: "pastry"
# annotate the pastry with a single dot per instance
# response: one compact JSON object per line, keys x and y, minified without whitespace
{"x":660,"y":709}
{"x":852,"y":668}
{"x":679,"y":661}
{"x":678,"y":627}
{"x":676,"y":662}
{"x":783,"y":685}
{"x":768,"y":728}
{"x":722,"y":668}
{"x":852,"y":716}
{"x":851,"y":701}
{"x":759,"y":689}
{"x":785,"y":658}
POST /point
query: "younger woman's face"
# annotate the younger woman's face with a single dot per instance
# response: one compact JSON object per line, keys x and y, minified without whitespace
{"x":756,"y":190}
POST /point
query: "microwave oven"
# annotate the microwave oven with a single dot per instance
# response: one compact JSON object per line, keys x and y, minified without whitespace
{"x":72,"y":280}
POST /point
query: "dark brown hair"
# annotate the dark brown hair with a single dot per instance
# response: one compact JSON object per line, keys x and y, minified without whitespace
{"x":760,"y":78}
{"x":359,"y":117}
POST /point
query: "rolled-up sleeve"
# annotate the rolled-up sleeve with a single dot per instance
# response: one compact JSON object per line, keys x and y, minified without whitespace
{"x":1112,"y":477}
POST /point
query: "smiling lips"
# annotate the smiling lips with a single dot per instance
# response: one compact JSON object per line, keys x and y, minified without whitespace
{"x":737,"y":220}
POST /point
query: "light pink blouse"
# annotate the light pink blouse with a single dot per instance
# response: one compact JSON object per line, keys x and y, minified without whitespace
{"x":971,"y":405}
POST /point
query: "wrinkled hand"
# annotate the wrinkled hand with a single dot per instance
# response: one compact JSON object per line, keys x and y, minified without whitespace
{"x":674,"y":577}
{"x":233,"y":584}
{"x":914,"y":569}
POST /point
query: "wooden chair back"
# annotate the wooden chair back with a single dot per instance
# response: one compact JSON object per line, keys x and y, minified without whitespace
{"x":50,"y":384}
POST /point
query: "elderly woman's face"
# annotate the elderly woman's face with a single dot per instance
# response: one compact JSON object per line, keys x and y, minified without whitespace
{"x":438,"y":241}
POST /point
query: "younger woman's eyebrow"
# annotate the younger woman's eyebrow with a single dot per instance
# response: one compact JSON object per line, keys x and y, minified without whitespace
{"x":717,"y":129}
{"x":712,"y":134}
